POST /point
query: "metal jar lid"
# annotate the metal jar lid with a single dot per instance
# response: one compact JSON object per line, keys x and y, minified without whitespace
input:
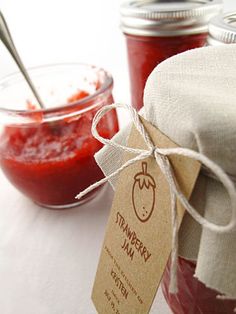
{"x":168,"y":18}
{"x":222,"y":29}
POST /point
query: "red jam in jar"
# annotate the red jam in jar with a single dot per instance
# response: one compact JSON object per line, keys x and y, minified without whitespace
{"x":193,"y":297}
{"x":50,"y":158}
{"x":156,"y":30}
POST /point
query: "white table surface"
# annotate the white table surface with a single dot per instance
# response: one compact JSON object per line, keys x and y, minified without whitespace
{"x":48,"y":258}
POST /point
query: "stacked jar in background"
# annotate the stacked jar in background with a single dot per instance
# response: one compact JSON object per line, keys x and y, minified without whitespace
{"x":222,"y":29}
{"x":156,"y":30}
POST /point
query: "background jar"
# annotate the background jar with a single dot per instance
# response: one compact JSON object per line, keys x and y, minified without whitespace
{"x":222,"y":29}
{"x":156,"y":30}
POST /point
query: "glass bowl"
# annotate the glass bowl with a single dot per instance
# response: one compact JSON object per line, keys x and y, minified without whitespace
{"x":48,"y":154}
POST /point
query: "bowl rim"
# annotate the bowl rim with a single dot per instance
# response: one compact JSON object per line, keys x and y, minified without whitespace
{"x":106,"y":86}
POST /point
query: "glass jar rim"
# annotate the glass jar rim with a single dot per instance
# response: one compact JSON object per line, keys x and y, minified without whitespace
{"x":165,"y":18}
{"x":222,"y":28}
{"x":47,"y":113}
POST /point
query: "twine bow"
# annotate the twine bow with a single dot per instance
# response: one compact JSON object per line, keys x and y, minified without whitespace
{"x":161,"y":157}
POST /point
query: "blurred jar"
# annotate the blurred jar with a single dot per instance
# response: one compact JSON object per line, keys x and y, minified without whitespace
{"x":222,"y":29}
{"x":156,"y":30}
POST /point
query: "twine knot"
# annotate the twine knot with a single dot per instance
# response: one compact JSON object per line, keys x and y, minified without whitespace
{"x":161,"y":156}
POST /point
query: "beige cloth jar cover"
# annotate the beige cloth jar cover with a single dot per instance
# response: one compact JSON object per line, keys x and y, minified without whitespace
{"x":191,"y":98}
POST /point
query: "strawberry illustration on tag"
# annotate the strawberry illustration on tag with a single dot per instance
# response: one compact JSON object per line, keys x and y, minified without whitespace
{"x":143,"y":194}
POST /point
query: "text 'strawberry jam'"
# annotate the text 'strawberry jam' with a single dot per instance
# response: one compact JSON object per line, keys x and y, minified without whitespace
{"x":158,"y":29}
{"x":193,"y":297}
{"x":48,"y":155}
{"x":222,"y":29}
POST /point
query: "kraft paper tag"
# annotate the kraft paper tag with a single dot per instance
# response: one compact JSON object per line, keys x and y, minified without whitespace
{"x":138,"y":237}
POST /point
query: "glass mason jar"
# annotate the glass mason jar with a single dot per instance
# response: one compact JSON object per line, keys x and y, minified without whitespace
{"x":158,"y":29}
{"x":48,"y":154}
{"x":222,"y":29}
{"x":193,"y":297}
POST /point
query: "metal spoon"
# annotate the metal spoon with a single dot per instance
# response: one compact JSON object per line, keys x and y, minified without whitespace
{"x":6,"y":38}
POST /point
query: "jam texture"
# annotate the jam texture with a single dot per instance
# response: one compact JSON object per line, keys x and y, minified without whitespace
{"x":51,"y":162}
{"x":193,"y":296}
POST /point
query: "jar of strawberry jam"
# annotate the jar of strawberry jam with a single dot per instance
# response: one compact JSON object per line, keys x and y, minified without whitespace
{"x":48,"y":154}
{"x":193,"y":296}
{"x":158,"y":29}
{"x":222,"y":29}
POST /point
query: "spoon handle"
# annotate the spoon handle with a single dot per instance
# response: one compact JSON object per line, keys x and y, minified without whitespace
{"x":6,"y":38}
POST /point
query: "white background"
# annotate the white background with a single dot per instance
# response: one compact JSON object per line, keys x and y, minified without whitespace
{"x":51,"y":31}
{"x":48,"y":259}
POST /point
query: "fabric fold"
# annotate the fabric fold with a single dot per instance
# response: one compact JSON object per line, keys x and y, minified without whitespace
{"x":191,"y":98}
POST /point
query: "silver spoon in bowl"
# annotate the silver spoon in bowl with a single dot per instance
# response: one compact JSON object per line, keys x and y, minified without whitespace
{"x":6,"y":38}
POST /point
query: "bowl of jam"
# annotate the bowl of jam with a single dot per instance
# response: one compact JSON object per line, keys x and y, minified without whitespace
{"x":48,"y":154}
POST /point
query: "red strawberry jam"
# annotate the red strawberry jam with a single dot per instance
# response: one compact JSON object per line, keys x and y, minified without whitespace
{"x":193,"y":296}
{"x":156,"y":30}
{"x":51,"y":162}
{"x":145,"y":53}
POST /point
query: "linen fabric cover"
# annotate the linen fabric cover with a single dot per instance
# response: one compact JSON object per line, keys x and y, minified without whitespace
{"x":191,"y":98}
